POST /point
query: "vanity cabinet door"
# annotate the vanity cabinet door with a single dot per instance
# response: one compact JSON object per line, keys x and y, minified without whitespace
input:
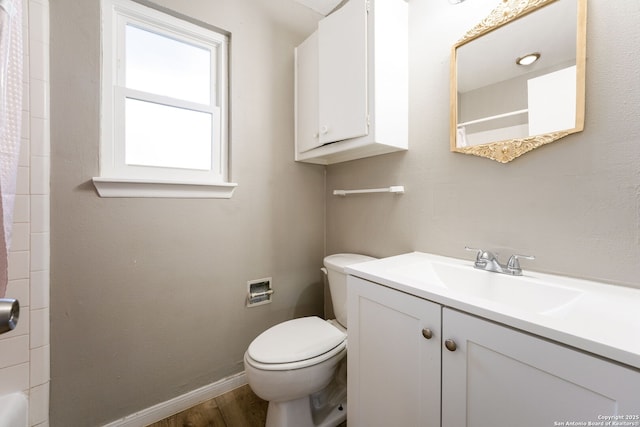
{"x":498,"y":376}
{"x":393,"y":357}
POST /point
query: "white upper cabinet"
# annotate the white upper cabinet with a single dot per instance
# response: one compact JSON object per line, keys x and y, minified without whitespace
{"x":342,"y":78}
{"x":352,"y":84}
{"x":307,"y":119}
{"x":551,"y":100}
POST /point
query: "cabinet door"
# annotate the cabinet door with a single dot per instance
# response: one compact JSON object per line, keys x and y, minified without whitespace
{"x":307,"y":94}
{"x":342,"y":76}
{"x":552,"y":101}
{"x":498,"y":376}
{"x":393,"y":370}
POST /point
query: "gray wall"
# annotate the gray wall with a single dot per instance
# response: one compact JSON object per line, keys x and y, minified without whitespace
{"x":147,"y":295}
{"x":573,"y":204}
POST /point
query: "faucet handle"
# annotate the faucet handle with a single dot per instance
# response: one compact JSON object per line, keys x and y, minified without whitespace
{"x":514,"y":265}
{"x":483,"y":257}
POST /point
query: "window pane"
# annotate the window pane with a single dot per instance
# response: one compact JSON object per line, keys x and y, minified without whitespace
{"x":160,"y":135}
{"x":168,"y":67}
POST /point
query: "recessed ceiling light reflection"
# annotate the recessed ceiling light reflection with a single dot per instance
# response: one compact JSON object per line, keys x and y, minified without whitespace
{"x":528,"y":59}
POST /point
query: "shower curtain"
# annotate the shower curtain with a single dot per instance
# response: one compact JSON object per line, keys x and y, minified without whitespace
{"x":10,"y":122}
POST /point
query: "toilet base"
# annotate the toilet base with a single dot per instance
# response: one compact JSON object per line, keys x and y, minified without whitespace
{"x":298,"y":413}
{"x":326,"y":408}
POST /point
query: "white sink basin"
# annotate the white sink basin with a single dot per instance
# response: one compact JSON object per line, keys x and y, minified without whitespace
{"x":460,"y":280}
{"x":524,"y":293}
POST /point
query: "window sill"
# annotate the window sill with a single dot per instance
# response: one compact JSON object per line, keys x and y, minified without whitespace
{"x":125,"y":187}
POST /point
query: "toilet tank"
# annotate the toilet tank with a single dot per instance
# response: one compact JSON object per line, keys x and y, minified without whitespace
{"x":335,"y":265}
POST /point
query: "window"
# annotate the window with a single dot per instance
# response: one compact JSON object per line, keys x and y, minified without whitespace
{"x":164,"y":106}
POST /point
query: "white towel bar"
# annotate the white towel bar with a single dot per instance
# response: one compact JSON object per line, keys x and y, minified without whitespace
{"x":397,"y":189}
{"x":487,"y":119}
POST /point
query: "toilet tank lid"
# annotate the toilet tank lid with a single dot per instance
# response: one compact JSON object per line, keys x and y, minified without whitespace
{"x":339,"y":261}
{"x":295,"y":340}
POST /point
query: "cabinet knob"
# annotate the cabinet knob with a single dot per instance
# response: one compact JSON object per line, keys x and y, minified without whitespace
{"x":427,"y":333}
{"x":451,"y":345}
{"x":324,"y":130}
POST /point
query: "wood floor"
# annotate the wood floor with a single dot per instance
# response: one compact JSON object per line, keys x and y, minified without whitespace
{"x":237,"y":408}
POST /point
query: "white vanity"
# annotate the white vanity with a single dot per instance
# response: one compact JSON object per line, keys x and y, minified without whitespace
{"x":435,"y":342}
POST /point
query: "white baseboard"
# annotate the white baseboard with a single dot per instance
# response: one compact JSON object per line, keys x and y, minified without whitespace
{"x":170,"y":407}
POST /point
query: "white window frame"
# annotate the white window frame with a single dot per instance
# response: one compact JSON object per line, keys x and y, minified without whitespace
{"x":117,"y":179}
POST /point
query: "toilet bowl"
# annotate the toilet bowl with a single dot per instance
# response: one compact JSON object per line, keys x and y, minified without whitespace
{"x":299,"y":367}
{"x":287,"y":366}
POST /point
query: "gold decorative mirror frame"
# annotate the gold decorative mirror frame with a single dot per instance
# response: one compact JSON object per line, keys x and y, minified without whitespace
{"x":506,"y":12}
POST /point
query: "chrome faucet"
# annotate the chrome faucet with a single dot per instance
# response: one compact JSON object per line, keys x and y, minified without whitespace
{"x":488,"y":261}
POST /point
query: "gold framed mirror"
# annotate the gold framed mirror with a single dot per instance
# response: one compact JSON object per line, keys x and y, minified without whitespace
{"x":502,"y":108}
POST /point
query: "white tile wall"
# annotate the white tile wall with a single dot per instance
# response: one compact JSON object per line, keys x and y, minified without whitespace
{"x":20,"y":236}
{"x":14,"y":377}
{"x":18,"y":265}
{"x":21,"y":209}
{"x":24,"y":352}
{"x":39,"y":405}
{"x":19,"y":351}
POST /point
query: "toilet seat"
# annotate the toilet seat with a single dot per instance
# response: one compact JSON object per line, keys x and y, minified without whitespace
{"x":296,"y":344}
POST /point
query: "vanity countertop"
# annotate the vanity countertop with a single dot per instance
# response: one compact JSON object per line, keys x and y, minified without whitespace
{"x":599,"y":318}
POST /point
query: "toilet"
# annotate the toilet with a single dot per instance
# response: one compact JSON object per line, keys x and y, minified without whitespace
{"x":299,"y":366}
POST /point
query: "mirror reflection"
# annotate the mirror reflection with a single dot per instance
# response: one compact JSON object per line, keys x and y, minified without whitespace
{"x":518,"y":81}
